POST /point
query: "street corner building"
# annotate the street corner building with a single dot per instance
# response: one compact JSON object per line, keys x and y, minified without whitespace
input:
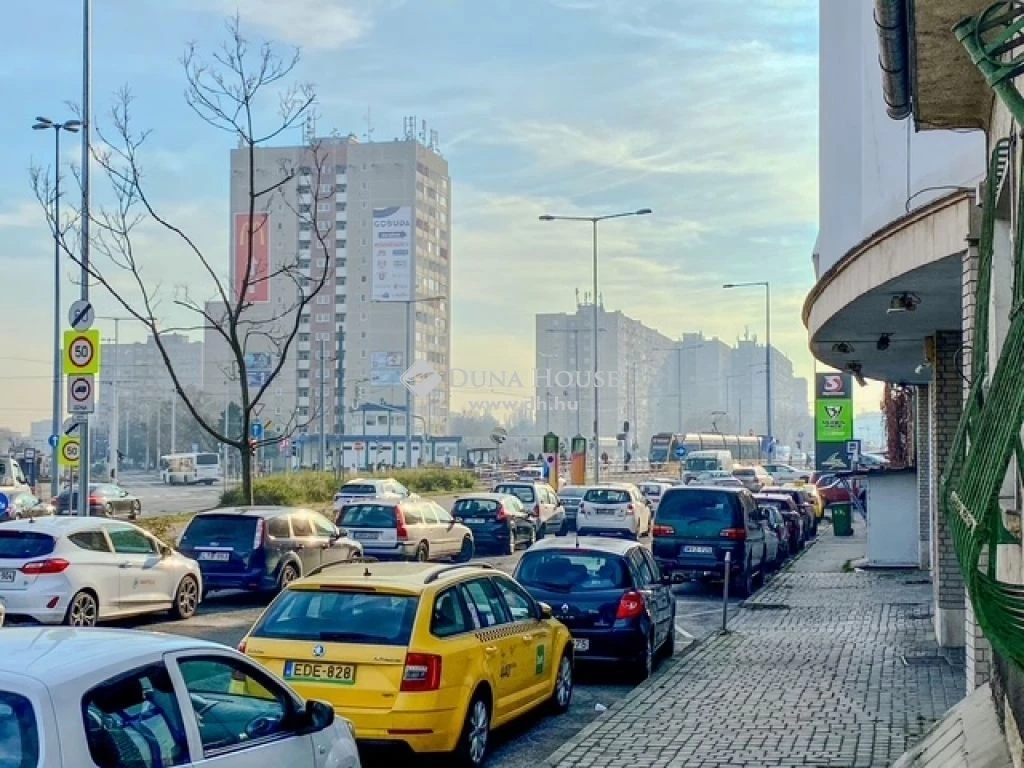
{"x":920,"y":273}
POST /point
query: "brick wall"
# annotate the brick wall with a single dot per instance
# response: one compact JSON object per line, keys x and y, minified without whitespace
{"x":945,"y":397}
{"x":922,"y":443}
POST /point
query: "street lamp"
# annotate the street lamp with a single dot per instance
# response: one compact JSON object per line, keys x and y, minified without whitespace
{"x":594,"y":220}
{"x":71,"y":126}
{"x":767,"y":350}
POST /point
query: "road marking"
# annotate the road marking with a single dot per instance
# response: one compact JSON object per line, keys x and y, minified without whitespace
{"x":684,"y":633}
{"x":706,"y":613}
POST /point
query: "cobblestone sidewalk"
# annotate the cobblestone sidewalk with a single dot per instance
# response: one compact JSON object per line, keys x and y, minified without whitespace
{"x":823,"y":667}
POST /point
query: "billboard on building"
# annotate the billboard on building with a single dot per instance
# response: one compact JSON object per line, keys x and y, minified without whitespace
{"x":258,"y":367}
{"x":392,"y":254}
{"x":386,"y":369}
{"x":257,"y":286}
{"x":833,"y":422}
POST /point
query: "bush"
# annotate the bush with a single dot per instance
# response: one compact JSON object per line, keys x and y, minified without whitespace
{"x":320,"y":487}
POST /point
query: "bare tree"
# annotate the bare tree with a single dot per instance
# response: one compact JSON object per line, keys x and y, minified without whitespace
{"x":229,"y":91}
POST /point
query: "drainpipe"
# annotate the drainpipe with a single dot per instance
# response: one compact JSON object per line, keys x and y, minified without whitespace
{"x":894,"y":56}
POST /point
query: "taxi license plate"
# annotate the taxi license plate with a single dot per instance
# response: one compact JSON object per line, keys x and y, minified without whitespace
{"x":581,"y":645}
{"x":218,"y":556}
{"x":698,"y":550}
{"x":7,"y":574}
{"x":319,"y":672}
{"x":366,"y":535}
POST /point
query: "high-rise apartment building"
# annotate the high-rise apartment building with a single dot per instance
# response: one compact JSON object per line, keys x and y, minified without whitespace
{"x":353,"y":336}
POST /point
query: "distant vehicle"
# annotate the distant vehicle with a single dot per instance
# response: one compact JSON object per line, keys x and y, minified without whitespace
{"x":618,"y":509}
{"x":22,"y":504}
{"x":665,"y":445}
{"x":784,"y":473}
{"x":498,"y":522}
{"x":571,"y":496}
{"x":406,"y":529}
{"x":753,"y":477}
{"x":105,"y":500}
{"x":362,"y":489}
{"x":11,"y":475}
{"x":190,"y":468}
{"x":119,"y":697}
{"x":699,"y":462}
{"x":653,"y":490}
{"x":81,"y":570}
{"x":531,"y":473}
{"x":541,"y":503}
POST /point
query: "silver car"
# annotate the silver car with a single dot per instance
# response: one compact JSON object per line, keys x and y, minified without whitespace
{"x":406,"y":529}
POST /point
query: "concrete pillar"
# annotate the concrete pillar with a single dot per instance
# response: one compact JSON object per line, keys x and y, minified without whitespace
{"x":946,"y":404}
{"x":922,"y":446}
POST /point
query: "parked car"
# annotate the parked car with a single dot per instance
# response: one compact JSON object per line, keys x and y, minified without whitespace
{"x":804,"y":505}
{"x":424,"y":657}
{"x":263,"y":548}
{"x":360,"y":489}
{"x":835,"y":489}
{"x":611,"y":596}
{"x":541,"y":502}
{"x":791,"y":516}
{"x":498,"y":521}
{"x":407,"y":529}
{"x":614,"y":508}
{"x":22,"y":504}
{"x":754,"y":478}
{"x":105,"y":500}
{"x":82,"y":570}
{"x":122,"y":698}
{"x":571,"y":496}
{"x":696,"y":526}
{"x":784,"y":473}
{"x":775,"y":523}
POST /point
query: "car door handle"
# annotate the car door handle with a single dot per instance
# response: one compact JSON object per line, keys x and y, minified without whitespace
{"x":490,"y":650}
{"x":125,"y":565}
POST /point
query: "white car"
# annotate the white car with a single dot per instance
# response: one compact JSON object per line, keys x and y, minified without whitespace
{"x":784,"y":473}
{"x":114,"y":698}
{"x":614,"y":508}
{"x":364,"y":489}
{"x":653,"y":491}
{"x":80,"y":570}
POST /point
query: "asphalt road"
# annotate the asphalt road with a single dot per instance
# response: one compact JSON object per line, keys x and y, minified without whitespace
{"x":224,"y":618}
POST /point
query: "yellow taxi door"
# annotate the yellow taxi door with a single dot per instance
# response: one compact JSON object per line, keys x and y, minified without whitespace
{"x":502,"y":647}
{"x":536,"y":675}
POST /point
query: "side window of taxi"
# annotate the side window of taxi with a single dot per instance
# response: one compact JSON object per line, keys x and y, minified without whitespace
{"x":520,"y":605}
{"x":450,"y":616}
{"x":484,"y":602}
{"x":235,"y":705}
{"x":134,"y":720}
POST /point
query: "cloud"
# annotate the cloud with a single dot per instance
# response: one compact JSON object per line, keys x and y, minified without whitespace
{"x":23,"y":215}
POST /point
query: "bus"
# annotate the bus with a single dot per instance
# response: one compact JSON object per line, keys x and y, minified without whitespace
{"x":743,"y":448}
{"x":190,"y":468}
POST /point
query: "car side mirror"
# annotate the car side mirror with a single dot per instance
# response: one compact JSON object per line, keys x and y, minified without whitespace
{"x":545,"y":611}
{"x":166,"y":551}
{"x":339,"y":533}
{"x":317,"y":716}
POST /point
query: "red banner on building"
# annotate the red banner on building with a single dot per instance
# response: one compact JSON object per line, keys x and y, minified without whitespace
{"x":257,"y":286}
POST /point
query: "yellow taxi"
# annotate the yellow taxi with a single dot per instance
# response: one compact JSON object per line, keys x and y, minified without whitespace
{"x":426,"y":655}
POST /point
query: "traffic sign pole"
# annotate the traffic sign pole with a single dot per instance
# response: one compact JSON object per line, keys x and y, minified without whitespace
{"x":82,"y":356}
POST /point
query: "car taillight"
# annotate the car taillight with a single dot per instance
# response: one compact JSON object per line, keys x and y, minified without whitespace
{"x":41,"y":567}
{"x":257,"y":538}
{"x":95,"y":501}
{"x":630,"y":606}
{"x":630,"y":507}
{"x":536,"y":510}
{"x":664,"y":530}
{"x":736,"y":534}
{"x":422,"y":673}
{"x":400,"y":530}
{"x":502,"y":514}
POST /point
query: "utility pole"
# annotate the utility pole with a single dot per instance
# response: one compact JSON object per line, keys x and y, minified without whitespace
{"x":174,"y":421}
{"x":84,"y":452}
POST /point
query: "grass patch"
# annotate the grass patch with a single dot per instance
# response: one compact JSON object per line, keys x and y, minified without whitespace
{"x":167,"y":528}
{"x":313,"y":488}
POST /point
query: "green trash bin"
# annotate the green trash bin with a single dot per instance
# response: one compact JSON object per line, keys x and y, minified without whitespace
{"x":842,"y":519}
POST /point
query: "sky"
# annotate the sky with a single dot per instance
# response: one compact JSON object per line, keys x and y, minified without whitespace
{"x":704,"y":111}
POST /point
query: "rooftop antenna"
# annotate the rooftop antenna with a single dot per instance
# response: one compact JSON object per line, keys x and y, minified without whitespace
{"x":577,"y":297}
{"x":423,"y":132}
{"x":434,"y":141}
{"x":369,"y":124}
{"x":409,"y":128}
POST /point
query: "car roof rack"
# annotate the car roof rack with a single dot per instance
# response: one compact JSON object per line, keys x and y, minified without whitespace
{"x":435,"y":575}
{"x":351,"y":561}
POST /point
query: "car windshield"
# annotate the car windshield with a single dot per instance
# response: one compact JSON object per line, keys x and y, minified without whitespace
{"x":522,"y":492}
{"x":573,"y":570}
{"x":340,"y":617}
{"x":19,"y":737}
{"x":235,"y":532}
{"x":475,"y":508}
{"x":367,"y":516}
{"x":698,"y":513}
{"x":607,"y":496}
{"x":22,"y":545}
{"x":358,"y":489}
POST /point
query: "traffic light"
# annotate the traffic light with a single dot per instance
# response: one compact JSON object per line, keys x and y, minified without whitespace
{"x":252,"y":446}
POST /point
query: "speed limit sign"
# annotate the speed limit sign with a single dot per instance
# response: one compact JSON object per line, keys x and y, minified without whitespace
{"x":69,"y":451}
{"x":81,"y":352}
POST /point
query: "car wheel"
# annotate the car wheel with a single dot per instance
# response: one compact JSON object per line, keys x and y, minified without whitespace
{"x":186,"y":599}
{"x":561,"y":697}
{"x":645,"y":664}
{"x":136,"y":509}
{"x":289,"y":573}
{"x":466,"y":551}
{"x":471,"y":751}
{"x":422,"y":553}
{"x":83,"y":610}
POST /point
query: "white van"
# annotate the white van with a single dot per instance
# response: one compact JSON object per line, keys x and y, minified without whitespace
{"x":699,"y":462}
{"x":12,"y":478}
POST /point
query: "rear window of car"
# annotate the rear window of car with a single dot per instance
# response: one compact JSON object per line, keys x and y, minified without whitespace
{"x":235,"y":531}
{"x":571,"y":493}
{"x":744,"y":472}
{"x":475,"y":508}
{"x":650,"y":490}
{"x":607,"y":496}
{"x":19,"y":735}
{"x":522,"y":492}
{"x":698,"y":513}
{"x":573,"y":570}
{"x":20,"y":545}
{"x":367,"y":516}
{"x":774,"y":504}
{"x":339,"y":617}
{"x":358,"y":489}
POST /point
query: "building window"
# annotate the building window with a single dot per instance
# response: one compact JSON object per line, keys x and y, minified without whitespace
{"x":341,"y":206}
{"x":326,"y":189}
{"x":341,"y":243}
{"x":323,"y":207}
{"x":323,"y":226}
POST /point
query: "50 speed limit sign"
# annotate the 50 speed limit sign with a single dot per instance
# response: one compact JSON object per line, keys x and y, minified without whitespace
{"x":81,"y":352}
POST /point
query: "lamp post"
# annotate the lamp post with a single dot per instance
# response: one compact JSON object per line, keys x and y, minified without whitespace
{"x":595,"y":220}
{"x":71,"y":126}
{"x":767,"y":350}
